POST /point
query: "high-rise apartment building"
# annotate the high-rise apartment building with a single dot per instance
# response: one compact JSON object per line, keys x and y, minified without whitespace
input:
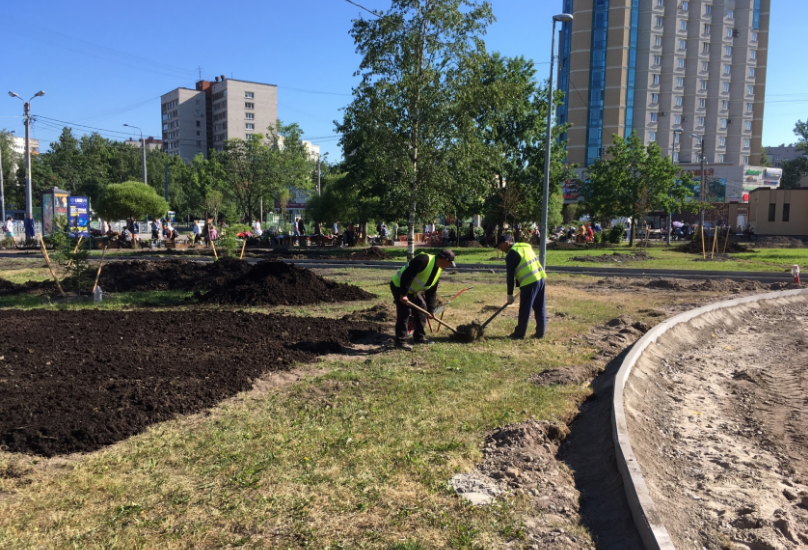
{"x":195,"y":121}
{"x":667,"y":69}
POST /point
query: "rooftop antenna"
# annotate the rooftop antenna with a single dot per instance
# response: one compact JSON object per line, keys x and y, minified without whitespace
{"x":200,"y":72}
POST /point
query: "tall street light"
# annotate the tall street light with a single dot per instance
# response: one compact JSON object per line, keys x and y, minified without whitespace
{"x":143,"y":147}
{"x":564,"y":18}
{"x":29,"y":205}
{"x":677,"y":133}
{"x":318,"y":173}
{"x":2,"y":196}
{"x":702,"y":194}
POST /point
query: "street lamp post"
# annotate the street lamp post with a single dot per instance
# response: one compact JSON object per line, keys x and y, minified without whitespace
{"x":702,"y":194}
{"x":564,"y":18}
{"x":318,"y":173}
{"x":2,"y":195}
{"x":143,"y":147}
{"x":29,"y":205}
{"x":677,"y":132}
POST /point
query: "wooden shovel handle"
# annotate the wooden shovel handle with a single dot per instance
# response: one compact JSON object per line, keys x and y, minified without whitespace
{"x":430,"y":316}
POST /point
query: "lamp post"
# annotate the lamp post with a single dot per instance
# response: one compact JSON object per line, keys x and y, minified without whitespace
{"x":29,"y":205}
{"x":677,"y":132}
{"x":143,"y":147}
{"x":564,"y":18}
{"x":2,"y":196}
{"x":702,"y":194}
{"x":318,"y":173}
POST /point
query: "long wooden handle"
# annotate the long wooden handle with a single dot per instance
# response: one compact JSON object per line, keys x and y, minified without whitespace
{"x":500,"y":310}
{"x":98,"y":275}
{"x":50,"y":267}
{"x":430,"y":316}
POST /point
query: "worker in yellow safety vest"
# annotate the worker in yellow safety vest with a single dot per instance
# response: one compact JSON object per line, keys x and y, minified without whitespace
{"x":417,"y":283}
{"x":526,"y":272}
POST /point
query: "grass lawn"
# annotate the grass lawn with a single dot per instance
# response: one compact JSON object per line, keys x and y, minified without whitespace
{"x":357,"y":454}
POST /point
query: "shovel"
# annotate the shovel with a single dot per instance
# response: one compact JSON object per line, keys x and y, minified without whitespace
{"x":497,"y":312}
{"x":442,"y":308}
{"x":431,"y":316}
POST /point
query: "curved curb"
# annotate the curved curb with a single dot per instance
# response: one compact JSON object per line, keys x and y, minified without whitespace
{"x":646,"y":517}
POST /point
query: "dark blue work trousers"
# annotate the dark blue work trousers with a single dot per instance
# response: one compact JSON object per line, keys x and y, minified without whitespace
{"x":531,"y":297}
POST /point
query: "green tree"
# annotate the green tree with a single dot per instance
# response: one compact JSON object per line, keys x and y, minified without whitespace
{"x":632,"y":180}
{"x":793,"y":171}
{"x":801,"y":131}
{"x":413,"y":56}
{"x":130,"y":199}
{"x":10,"y":160}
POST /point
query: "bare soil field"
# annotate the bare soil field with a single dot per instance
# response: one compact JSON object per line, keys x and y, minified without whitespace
{"x":718,"y":418}
{"x":75,"y":381}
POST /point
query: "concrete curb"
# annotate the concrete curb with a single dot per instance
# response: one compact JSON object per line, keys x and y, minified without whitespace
{"x":649,"y":523}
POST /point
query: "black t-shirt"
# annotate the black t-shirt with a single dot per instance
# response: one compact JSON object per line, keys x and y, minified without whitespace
{"x":417,"y":265}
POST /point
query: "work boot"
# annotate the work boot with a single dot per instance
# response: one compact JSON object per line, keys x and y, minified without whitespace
{"x":514,"y":336}
{"x":537,"y":336}
{"x":423,"y":342}
{"x":403,"y":346}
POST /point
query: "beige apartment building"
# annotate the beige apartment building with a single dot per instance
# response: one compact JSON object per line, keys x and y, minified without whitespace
{"x":667,"y":69}
{"x":195,"y":121}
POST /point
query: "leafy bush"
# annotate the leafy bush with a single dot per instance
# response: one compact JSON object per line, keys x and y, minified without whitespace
{"x":615,"y":233}
{"x":228,"y":247}
{"x":597,"y":237}
{"x":131,"y":199}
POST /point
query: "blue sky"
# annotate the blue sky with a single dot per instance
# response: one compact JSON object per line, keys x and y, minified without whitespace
{"x":103,"y":64}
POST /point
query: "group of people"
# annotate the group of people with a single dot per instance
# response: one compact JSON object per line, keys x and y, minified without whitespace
{"x":417,"y":284}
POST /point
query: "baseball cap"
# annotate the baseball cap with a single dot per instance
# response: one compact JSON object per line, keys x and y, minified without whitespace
{"x":504,"y":239}
{"x":448,"y":255}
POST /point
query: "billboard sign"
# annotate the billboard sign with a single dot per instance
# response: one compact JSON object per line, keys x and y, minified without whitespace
{"x":79,"y":215}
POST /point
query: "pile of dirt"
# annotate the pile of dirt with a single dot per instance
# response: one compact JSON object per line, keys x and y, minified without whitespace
{"x":7,"y":288}
{"x":574,"y":375}
{"x":778,"y":242}
{"x":142,"y":276}
{"x":613,"y":257}
{"x":471,"y":244}
{"x":92,"y":378}
{"x":666,"y":284}
{"x":695,"y":247}
{"x":372,"y":253}
{"x":521,"y":458}
{"x":728,"y":285}
{"x":271,"y":283}
{"x":380,"y":313}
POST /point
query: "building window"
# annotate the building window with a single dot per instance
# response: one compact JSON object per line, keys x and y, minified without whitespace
{"x":786,"y":212}
{"x":731,"y":14}
{"x":705,"y":47}
{"x":249,"y":137}
{"x":708,"y":9}
{"x":652,"y":136}
{"x":754,"y":37}
{"x":728,"y":51}
{"x":749,"y":125}
{"x":249,"y":95}
{"x":658,"y":21}
{"x":653,"y":117}
{"x":702,"y":103}
{"x":677,"y":119}
{"x":656,"y":79}
{"x":726,"y":87}
{"x":729,"y":32}
{"x":722,"y":141}
{"x":198,"y":133}
{"x":751,"y":72}
{"x":676,"y":137}
{"x":747,"y":143}
{"x":753,"y":53}
{"x":749,"y":107}
{"x":721,"y":157}
{"x":699,"y":139}
{"x":683,"y":25}
{"x":249,"y":126}
{"x":678,"y":101}
{"x":682,"y":45}
{"x":706,"y":28}
{"x":249,"y":105}
{"x":746,"y":160}
{"x":772,"y":209}
{"x":750,"y":90}
{"x":703,"y":84}
{"x":676,"y":155}
{"x":724,"y":104}
{"x":199,"y":143}
{"x":656,"y":60}
{"x":685,"y":5}
{"x":680,"y":82}
{"x":723,"y":123}
{"x":681,"y":63}
{"x":654,"y":98}
{"x":726,"y":69}
{"x":701,"y":121}
{"x":660,"y":3}
{"x":249,"y":116}
{"x":657,"y":40}
{"x":705,"y":66}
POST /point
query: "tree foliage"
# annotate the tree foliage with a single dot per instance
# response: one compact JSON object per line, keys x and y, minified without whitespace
{"x":130,"y":199}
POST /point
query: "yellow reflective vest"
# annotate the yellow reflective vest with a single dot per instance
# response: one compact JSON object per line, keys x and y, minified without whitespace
{"x":529,"y":269}
{"x":419,"y":283}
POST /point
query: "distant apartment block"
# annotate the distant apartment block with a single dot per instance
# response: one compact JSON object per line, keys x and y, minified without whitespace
{"x":195,"y":121}
{"x":783,"y":152}
{"x":18,"y":145}
{"x":151,"y":143}
{"x":667,"y":69}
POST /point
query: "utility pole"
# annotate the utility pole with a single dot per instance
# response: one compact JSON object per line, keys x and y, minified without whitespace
{"x":143,"y":150}
{"x":703,"y":188}
{"x":29,"y":205}
{"x":319,"y":190}
{"x":2,"y":196}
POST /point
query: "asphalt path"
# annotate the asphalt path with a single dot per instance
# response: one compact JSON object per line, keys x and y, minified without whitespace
{"x":624,"y":272}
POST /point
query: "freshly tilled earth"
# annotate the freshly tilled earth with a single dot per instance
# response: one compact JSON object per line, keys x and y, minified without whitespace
{"x":75,"y":381}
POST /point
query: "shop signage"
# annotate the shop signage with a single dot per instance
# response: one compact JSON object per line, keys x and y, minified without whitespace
{"x":773,"y":173}
{"x":753,"y":172}
{"x":79,"y":215}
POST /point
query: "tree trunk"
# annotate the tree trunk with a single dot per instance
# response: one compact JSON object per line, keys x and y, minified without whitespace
{"x":631,"y":232}
{"x":364,"y":232}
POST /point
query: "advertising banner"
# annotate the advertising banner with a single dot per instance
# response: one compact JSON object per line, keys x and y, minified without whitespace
{"x":79,"y":215}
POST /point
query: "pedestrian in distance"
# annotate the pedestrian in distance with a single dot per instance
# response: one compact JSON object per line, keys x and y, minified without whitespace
{"x":155,"y":230}
{"x":257,"y":228}
{"x":8,"y":228}
{"x":301,"y":227}
{"x":197,"y":232}
{"x":417,"y":283}
{"x":525,"y":271}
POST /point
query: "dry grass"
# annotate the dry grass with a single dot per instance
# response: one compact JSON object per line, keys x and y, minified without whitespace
{"x":357,"y":456}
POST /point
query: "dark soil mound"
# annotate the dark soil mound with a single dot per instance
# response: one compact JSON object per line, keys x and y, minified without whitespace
{"x":778,"y":242}
{"x":728,"y":285}
{"x":666,"y":284}
{"x":471,"y":244}
{"x":372,"y":253}
{"x":380,"y":313}
{"x":140,"y":276}
{"x":7,"y":288}
{"x":92,"y":378}
{"x":613,"y":257}
{"x":694,"y":246}
{"x":272,"y":283}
